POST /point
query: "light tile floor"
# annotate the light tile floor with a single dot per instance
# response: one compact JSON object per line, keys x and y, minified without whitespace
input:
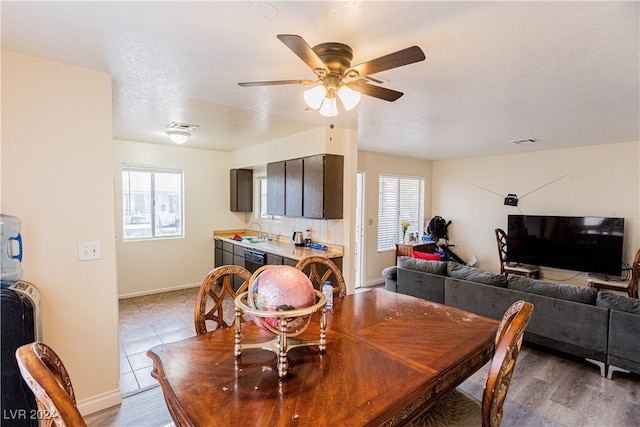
{"x":146,"y":321}
{"x":150,"y":320}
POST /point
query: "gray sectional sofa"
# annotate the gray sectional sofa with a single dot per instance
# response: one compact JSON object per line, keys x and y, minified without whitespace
{"x":602,"y":327}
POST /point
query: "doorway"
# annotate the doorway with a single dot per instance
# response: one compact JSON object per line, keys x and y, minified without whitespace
{"x":359,"y":244}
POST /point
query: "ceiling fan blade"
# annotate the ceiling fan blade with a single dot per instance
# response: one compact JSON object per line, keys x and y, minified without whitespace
{"x":375,"y":91}
{"x":304,"y":51}
{"x":276,"y":82}
{"x":393,"y":60}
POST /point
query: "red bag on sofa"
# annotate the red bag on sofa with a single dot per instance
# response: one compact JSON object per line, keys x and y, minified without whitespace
{"x":423,"y":255}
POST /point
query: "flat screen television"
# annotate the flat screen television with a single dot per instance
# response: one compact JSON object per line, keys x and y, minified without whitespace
{"x":589,"y":244}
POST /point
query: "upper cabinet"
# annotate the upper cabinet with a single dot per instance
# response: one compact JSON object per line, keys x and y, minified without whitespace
{"x":275,"y":188}
{"x":241,"y":190}
{"x":293,"y":187}
{"x":323,"y":181}
{"x":310,"y":187}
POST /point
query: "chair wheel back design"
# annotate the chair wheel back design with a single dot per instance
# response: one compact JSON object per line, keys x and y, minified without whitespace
{"x":635,"y":276}
{"x":503,"y":251}
{"x":46,"y":376}
{"x":320,"y":269}
{"x":207,"y":297}
{"x":508,"y":342}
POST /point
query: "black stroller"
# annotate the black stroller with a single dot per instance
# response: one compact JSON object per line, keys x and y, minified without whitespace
{"x":436,"y":228}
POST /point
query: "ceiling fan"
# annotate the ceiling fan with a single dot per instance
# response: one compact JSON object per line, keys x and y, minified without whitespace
{"x":331,"y":63}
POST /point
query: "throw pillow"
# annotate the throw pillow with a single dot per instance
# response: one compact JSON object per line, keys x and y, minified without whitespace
{"x":423,"y":255}
{"x":618,"y":302}
{"x":423,"y":265}
{"x":477,"y":275}
{"x":581,"y":294}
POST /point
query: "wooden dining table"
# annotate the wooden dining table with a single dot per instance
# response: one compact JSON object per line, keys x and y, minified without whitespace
{"x":389,"y":357}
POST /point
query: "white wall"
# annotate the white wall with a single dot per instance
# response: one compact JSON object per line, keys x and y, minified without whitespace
{"x":290,"y":147}
{"x":599,"y":180}
{"x":57,"y":178}
{"x":373,"y":164}
{"x":149,"y":266}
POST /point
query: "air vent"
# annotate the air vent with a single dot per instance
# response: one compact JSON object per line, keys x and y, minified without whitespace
{"x":525,"y":141}
{"x":181,"y":126}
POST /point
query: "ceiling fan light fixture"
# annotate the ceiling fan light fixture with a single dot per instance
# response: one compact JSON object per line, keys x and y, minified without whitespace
{"x":178,"y":136}
{"x":329,"y":107}
{"x":349,"y":97}
{"x":314,"y":96}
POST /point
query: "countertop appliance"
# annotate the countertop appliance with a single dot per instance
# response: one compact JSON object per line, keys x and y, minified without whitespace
{"x":298,"y":238}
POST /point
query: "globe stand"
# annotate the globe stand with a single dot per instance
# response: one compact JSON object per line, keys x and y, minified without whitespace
{"x":282,"y":342}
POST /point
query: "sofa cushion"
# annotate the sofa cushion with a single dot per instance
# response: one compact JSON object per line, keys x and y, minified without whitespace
{"x":424,"y":255}
{"x":579,"y":294}
{"x":390,"y":273}
{"x":423,"y":265}
{"x":477,"y":275}
{"x":618,"y":302}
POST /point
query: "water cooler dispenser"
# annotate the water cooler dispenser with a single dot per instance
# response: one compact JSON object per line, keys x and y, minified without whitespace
{"x":20,"y":324}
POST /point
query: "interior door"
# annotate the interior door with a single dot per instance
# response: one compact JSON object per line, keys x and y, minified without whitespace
{"x":359,"y":244}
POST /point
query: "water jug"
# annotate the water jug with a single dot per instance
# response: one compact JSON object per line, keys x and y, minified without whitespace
{"x":10,"y":250}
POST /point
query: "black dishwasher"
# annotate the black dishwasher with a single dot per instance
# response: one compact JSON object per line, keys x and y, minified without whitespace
{"x":253,"y":259}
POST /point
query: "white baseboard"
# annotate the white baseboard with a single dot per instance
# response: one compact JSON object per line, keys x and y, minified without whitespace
{"x":375,"y":282}
{"x":157,"y":291}
{"x":99,"y":402}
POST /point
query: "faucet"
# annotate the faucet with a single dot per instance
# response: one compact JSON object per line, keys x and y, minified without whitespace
{"x":259,"y":236}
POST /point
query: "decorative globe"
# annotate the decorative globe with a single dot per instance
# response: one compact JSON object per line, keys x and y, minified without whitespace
{"x":281,"y":288}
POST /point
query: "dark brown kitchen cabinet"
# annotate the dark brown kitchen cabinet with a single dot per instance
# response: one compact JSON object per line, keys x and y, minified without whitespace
{"x":275,"y":188}
{"x":323,"y":183}
{"x":309,"y":187}
{"x":241,"y":190}
{"x":293,"y":185}
{"x":280,"y":260}
{"x":238,"y":256}
{"x":289,"y":261}
{"x":274,"y":259}
{"x":223,"y":253}
{"x":217,"y":259}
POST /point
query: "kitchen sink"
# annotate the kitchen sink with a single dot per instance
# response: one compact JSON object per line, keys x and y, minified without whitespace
{"x":253,"y":239}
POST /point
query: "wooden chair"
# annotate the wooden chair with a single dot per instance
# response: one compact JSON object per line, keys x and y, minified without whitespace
{"x":631,"y":287}
{"x":320,"y":269}
{"x":512,"y":268}
{"x":635,"y":276}
{"x":458,"y":408}
{"x":225,"y":275}
{"x":46,"y":376}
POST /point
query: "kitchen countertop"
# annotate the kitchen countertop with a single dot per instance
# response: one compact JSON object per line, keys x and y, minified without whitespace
{"x":278,"y":246}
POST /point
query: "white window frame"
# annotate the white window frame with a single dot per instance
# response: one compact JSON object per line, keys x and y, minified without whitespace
{"x":400,"y":198}
{"x":154,"y":212}
{"x":262,"y":200}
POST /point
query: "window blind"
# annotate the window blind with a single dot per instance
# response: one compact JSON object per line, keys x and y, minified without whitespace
{"x":400,"y":198}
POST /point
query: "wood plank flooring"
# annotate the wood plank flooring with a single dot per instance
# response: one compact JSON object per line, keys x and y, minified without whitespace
{"x":547,"y":389}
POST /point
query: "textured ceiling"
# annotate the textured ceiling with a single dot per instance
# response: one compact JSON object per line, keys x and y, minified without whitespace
{"x":566,"y":73}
